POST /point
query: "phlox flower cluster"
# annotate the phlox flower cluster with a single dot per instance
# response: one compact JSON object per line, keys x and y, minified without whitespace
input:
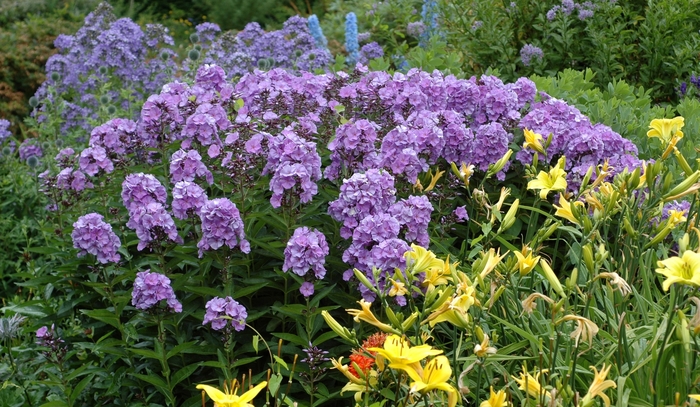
{"x":294,"y":47}
{"x":65,"y":158}
{"x":370,"y":214}
{"x":150,"y":288}
{"x":144,"y":197}
{"x":91,"y":234}
{"x":574,"y":136}
{"x":292,"y":161}
{"x":353,"y":149}
{"x":221,"y":225}
{"x":105,"y":47}
{"x":49,"y":338}
{"x":188,"y":199}
{"x":306,"y":251}
{"x":219,"y":311}
{"x":186,"y":165}
{"x":94,"y":160}
{"x":117,"y":137}
{"x":72,"y":180}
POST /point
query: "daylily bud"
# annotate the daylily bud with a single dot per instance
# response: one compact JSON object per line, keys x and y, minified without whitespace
{"x":683,"y":163}
{"x":586,"y":178}
{"x":634,"y":179}
{"x":509,"y":219}
{"x":628,"y":228}
{"x":501,"y":289}
{"x":683,"y":331}
{"x":682,"y":187}
{"x":588,"y":258}
{"x":363,"y":279}
{"x":479,"y":333}
{"x":342,"y":331}
{"x":498,"y":165}
{"x":683,"y":243}
{"x":409,"y":321}
{"x":572,"y":281}
{"x":551,"y":277}
{"x":393,"y":319}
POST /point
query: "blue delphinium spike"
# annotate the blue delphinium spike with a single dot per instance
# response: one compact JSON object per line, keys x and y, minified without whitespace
{"x":352,"y":45}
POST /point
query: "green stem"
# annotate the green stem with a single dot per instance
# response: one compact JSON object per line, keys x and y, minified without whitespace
{"x":669,"y":325}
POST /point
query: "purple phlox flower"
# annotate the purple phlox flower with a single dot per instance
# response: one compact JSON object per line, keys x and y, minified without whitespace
{"x":188,"y":198}
{"x":91,"y":234}
{"x":221,"y":310}
{"x":221,"y":225}
{"x":414,"y":216}
{"x":353,"y":148}
{"x":307,"y":289}
{"x":150,"y":289}
{"x":116,"y":136}
{"x":210,"y":76}
{"x":65,"y":158}
{"x":415,"y":29}
{"x":153,"y":225}
{"x":292,"y":161}
{"x":362,"y":195}
{"x":140,"y":189}
{"x":94,"y":160}
{"x":48,"y":337}
{"x":491,"y":143}
{"x":207,"y":33}
{"x":186,"y":165}
{"x":70,"y":179}
{"x":306,"y":250}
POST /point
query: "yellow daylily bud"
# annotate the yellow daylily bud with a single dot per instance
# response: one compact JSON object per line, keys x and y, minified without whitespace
{"x":434,"y":179}
{"x":551,"y":277}
{"x":683,"y":243}
{"x":498,"y":166}
{"x":682,"y":187}
{"x":342,"y":331}
{"x":572,"y":281}
{"x":586,"y":178}
{"x":406,"y":324}
{"x":364,"y":280}
{"x":509,"y":219}
{"x":682,"y":330}
{"x":587,"y":252}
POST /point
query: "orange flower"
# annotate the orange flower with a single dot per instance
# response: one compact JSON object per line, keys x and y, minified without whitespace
{"x":364,"y":362}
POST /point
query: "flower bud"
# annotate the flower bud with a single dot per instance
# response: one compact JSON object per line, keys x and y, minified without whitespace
{"x":587,"y":253}
{"x":342,"y":331}
{"x":498,"y":166}
{"x":194,"y":37}
{"x":509,"y":219}
{"x":548,"y":273}
{"x":33,"y":101}
{"x":55,"y":76}
{"x":193,"y":55}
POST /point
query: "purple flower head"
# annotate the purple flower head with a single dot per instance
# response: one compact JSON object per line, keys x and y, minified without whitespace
{"x":292,"y":161}
{"x":116,"y":136}
{"x":306,"y":250}
{"x":30,"y":148}
{"x":94,"y":160}
{"x":528,"y":51}
{"x":138,"y":190}
{"x":210,"y":76}
{"x":70,"y":179}
{"x":370,"y":51}
{"x":221,"y":310}
{"x":150,"y":289}
{"x":94,"y":236}
{"x":360,"y":196}
{"x":353,"y":148}
{"x":188,"y":198}
{"x":153,"y":225}
{"x":186,"y":165}
{"x":202,"y":127}
{"x":48,"y":338}
{"x":307,"y":289}
{"x":414,"y":216}
{"x":207,"y":32}
{"x":460,"y":213}
{"x":221,"y":225}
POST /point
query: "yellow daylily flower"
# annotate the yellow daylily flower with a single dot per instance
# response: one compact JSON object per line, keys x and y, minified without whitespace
{"x":365,"y":314}
{"x":229,"y":398}
{"x":533,"y":140}
{"x":397,"y":288}
{"x":666,"y":129}
{"x":420,"y":259}
{"x":495,"y":399}
{"x":345,"y":370}
{"x":675,"y":217}
{"x":434,"y":377}
{"x":619,"y":282}
{"x":401,"y":355}
{"x":598,"y":386}
{"x":454,"y":311}
{"x":531,"y":385}
{"x":529,"y":302}
{"x":526,"y":263}
{"x":694,"y":396}
{"x":488,"y":262}
{"x":564,"y":210}
{"x":684,"y":270}
{"x":554,"y":180}
{"x":434,"y":179}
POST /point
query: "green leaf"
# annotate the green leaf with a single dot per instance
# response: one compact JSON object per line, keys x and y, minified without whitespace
{"x":103,"y":315}
{"x":181,"y":348}
{"x":154,"y":380}
{"x":75,"y":392}
{"x":182,"y":374}
{"x":146,"y":353}
{"x":274,"y":383}
{"x":281,"y":362}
